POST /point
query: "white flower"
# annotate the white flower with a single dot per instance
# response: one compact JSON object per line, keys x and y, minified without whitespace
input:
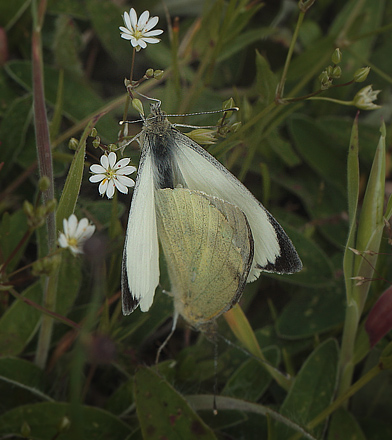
{"x":365,"y":97}
{"x":75,"y":234}
{"x":112,"y":175}
{"x":139,"y":31}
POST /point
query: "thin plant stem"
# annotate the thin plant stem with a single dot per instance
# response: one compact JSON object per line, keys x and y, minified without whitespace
{"x":45,"y":165}
{"x":280,"y":88}
{"x":129,"y":93}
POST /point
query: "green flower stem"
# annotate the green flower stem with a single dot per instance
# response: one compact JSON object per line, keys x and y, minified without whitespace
{"x":347,"y":351}
{"x":44,"y":151}
{"x":45,"y":334}
{"x":280,"y":88}
{"x":336,"y":101}
{"x":45,"y":165}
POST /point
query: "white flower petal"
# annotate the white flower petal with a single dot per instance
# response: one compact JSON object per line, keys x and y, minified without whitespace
{"x":142,"y":43}
{"x":96,"y":178}
{"x":126,"y":181}
{"x":103,"y":186}
{"x":89,"y":232}
{"x":150,"y":41}
{"x":65,"y":226}
{"x":133,"y":19}
{"x":112,"y":159}
{"x":110,"y":189}
{"x":143,"y":19}
{"x":152,"y":33}
{"x":127,"y":20}
{"x":126,"y":36}
{"x":122,"y":162}
{"x":72,"y":225}
{"x":104,"y":161}
{"x":122,"y":188}
{"x":152,"y":22}
{"x":126,"y":170}
{"x":97,"y":169}
{"x":82,"y":225}
{"x":63,"y":242}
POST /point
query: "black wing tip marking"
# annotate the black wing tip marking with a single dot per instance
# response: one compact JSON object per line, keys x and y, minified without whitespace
{"x":288,"y":261}
{"x":129,"y":303}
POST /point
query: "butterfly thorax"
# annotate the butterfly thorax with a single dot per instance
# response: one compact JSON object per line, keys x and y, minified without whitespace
{"x":157,"y":122}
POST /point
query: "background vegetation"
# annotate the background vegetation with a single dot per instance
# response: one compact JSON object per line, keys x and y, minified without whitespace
{"x":71,"y":365}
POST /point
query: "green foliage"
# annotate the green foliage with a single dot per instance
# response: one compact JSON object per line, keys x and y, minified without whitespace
{"x":71,"y":366}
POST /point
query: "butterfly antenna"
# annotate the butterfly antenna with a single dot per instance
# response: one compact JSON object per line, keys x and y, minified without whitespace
{"x":148,"y":97}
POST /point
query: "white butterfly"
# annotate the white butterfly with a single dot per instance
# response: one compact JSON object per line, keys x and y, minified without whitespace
{"x":170,"y":164}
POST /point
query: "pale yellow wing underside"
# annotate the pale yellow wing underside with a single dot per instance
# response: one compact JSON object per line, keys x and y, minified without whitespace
{"x":208,"y":247}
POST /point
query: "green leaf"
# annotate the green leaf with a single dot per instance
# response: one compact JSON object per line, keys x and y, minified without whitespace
{"x":310,"y":313}
{"x":283,"y":149}
{"x":13,"y":130}
{"x":21,"y":382}
{"x":313,"y":389}
{"x":71,"y":189}
{"x":243,"y":41}
{"x":44,"y":420}
{"x":20,"y":322}
{"x":67,"y":45}
{"x":75,"y":8}
{"x":371,"y":223}
{"x":13,"y":228}
{"x":344,"y":426}
{"x":266,"y":80}
{"x":106,"y":18}
{"x":353,"y":192}
{"x":317,"y":268}
{"x":251,"y":379}
{"x":163,"y":413}
{"x":373,"y":204}
{"x":69,"y":282}
{"x":80,"y":100}
{"x":318,"y":151}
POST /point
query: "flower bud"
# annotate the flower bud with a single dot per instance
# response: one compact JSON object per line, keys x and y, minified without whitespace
{"x":28,"y":209}
{"x":325,"y":81}
{"x":43,"y":183}
{"x":235,"y":127}
{"x":93,"y":132}
{"x":336,"y":56}
{"x":137,"y":105}
{"x":361,"y":74}
{"x":203,"y":136}
{"x":97,"y":142}
{"x":336,"y":72}
{"x":149,"y":73}
{"x":228,"y":104}
{"x":158,"y":74}
{"x":112,"y":147}
{"x":64,"y":424}
{"x":73,"y":144}
{"x":25,"y":430}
